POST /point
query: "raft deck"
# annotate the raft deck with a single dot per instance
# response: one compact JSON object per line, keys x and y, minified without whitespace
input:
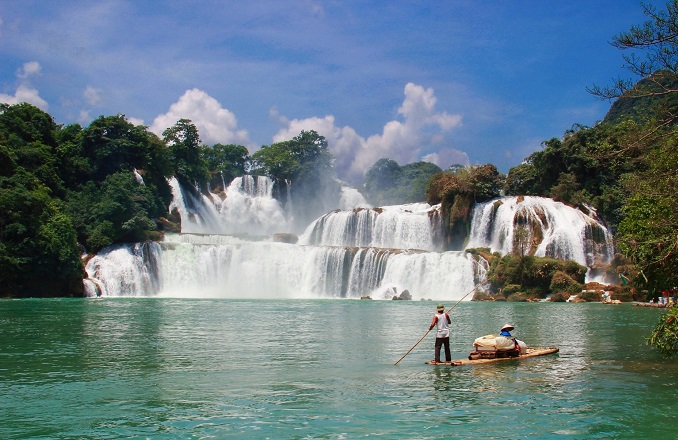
{"x":531,"y":352}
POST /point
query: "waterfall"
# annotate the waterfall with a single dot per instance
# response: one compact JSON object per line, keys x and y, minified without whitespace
{"x":546,"y":229}
{"x":248,"y":208}
{"x":400,"y":227}
{"x":352,"y":199}
{"x":138,"y":177}
{"x":227,"y":250}
{"x":124,"y":270}
{"x":198,"y":214}
{"x":190,"y":265}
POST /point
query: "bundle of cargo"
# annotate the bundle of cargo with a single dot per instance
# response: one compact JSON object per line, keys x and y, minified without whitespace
{"x":493,"y":346}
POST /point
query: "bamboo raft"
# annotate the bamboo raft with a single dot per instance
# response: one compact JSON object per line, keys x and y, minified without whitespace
{"x":531,"y":352}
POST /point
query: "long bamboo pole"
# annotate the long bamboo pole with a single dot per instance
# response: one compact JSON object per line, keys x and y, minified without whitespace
{"x":427,"y":331}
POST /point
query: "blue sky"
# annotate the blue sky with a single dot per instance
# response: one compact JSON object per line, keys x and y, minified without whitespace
{"x":469,"y":82}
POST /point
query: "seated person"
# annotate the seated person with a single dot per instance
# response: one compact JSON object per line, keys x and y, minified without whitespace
{"x":506,"y":329}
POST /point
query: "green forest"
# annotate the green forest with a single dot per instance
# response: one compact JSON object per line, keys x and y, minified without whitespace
{"x":68,"y":190}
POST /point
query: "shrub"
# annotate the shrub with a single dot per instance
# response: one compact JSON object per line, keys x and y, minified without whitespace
{"x":517,"y":297}
{"x":559,"y":297}
{"x":482,"y":296}
{"x":510,"y":289}
{"x":562,"y":282}
{"x":589,"y":296}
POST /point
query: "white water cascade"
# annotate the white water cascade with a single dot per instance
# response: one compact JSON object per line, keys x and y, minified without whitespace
{"x":410,"y":226}
{"x":248,"y":208}
{"x":551,"y":229}
{"x":347,"y":253}
{"x":191,"y":265}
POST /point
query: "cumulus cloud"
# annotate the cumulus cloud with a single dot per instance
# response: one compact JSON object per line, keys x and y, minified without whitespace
{"x":400,"y":140}
{"x":215,"y":123}
{"x":28,"y":69}
{"x":24,"y":91}
{"x":134,"y":121}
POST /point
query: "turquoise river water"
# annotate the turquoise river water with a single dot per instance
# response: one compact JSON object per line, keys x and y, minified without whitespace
{"x":150,"y":368}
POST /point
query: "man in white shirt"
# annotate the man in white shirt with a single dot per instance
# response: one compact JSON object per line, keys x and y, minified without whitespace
{"x":442,"y":321}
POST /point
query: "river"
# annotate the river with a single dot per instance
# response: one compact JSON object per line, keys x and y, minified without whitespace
{"x":165,"y":368}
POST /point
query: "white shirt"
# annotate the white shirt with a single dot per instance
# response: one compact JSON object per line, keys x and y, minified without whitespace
{"x":443,"y":326}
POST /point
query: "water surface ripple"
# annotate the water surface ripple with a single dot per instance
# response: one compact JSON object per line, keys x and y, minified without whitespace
{"x":209,"y":369}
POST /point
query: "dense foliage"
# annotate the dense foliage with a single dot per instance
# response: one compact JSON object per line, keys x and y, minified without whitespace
{"x":38,"y":247}
{"x":665,"y":334}
{"x":525,"y":277}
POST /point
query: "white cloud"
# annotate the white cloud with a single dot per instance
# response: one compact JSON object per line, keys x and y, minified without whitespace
{"x":92,"y":96}
{"x":134,"y":121}
{"x":25,"y":92}
{"x":215,"y":123}
{"x":28,"y":69}
{"x":401,"y":141}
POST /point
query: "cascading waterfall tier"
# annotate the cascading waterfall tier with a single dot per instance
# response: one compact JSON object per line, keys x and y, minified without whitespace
{"x":191,"y":265}
{"x":125,"y":270}
{"x":410,"y":226}
{"x":247,"y":207}
{"x":542,"y":227}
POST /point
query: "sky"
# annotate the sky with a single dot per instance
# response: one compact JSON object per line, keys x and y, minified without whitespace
{"x":449,"y":82}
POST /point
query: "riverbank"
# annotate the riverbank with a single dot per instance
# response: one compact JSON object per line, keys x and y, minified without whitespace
{"x":654,"y":305}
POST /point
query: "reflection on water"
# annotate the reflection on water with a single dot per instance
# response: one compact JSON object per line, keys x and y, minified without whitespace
{"x":181,"y":368}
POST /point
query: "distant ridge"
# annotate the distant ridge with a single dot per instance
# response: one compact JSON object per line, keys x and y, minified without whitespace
{"x":656,"y":92}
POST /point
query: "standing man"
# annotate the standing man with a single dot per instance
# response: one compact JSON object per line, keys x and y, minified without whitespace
{"x":442,"y":321}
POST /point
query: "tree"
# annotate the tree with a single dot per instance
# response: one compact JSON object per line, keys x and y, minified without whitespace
{"x":113,"y":144}
{"x":120,"y":210}
{"x":29,"y":133}
{"x":304,"y":165}
{"x":654,"y":46}
{"x":665,"y":334}
{"x":225,"y":162}
{"x":412,"y":184}
{"x":187,"y":163}
{"x":276,"y":160}
{"x":649,"y":231}
{"x":38,"y":250}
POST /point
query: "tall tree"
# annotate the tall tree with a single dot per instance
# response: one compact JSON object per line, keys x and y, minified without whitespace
{"x":225,"y":162}
{"x":187,"y":163}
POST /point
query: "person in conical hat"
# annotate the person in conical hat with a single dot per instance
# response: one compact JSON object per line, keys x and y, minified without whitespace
{"x":442,"y":321}
{"x":506,"y":330}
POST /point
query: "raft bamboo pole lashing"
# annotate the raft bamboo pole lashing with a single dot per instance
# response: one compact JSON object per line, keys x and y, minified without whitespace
{"x":427,"y":331}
